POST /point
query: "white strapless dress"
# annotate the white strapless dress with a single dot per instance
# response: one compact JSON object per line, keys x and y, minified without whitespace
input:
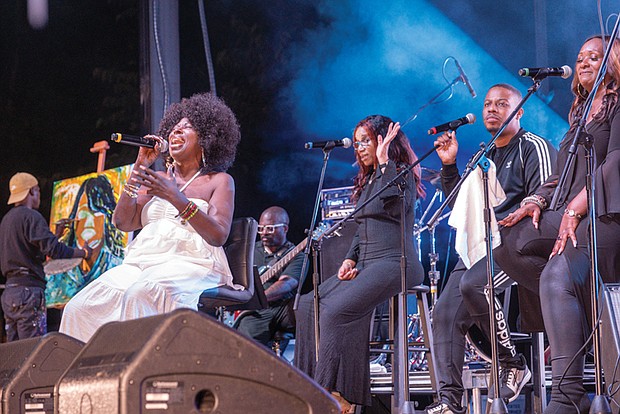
{"x":166,"y":267}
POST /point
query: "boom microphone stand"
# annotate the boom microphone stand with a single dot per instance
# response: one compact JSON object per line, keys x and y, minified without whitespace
{"x":498,"y":406}
{"x":599,"y":402}
{"x":433,"y":100}
{"x":309,"y":245}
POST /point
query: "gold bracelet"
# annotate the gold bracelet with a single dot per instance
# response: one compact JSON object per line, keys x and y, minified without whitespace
{"x":132,"y":187}
{"x":129,"y":192}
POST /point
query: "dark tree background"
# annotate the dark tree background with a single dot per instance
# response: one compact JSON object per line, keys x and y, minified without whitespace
{"x":75,"y":81}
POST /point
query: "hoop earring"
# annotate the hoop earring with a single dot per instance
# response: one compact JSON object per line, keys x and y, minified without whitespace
{"x":583,"y":93}
{"x":204,"y":159}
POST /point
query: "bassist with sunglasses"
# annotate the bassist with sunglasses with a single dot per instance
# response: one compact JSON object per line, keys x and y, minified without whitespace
{"x":279,"y":263}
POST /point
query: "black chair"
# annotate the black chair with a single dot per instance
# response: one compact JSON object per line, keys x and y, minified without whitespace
{"x":239,"y":250}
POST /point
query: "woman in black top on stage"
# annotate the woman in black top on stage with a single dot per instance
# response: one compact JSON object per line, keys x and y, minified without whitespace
{"x":370,"y":273}
{"x":548,"y":252}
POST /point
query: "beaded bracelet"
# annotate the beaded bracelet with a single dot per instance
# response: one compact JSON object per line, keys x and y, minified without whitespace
{"x":192,"y":214}
{"x":185,"y":210}
{"x":188,"y":212}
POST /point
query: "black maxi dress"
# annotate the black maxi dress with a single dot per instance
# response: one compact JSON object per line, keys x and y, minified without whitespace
{"x":345,"y":307}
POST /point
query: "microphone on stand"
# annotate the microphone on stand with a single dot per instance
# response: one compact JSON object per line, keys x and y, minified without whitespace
{"x":137,"y":141}
{"x":465,"y":79}
{"x":453,"y":125}
{"x":344,"y":142}
{"x":540,"y":73}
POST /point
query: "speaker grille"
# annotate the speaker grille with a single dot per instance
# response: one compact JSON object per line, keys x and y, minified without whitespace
{"x":610,"y":340}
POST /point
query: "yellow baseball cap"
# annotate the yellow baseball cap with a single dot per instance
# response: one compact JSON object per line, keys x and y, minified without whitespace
{"x":19,"y":185}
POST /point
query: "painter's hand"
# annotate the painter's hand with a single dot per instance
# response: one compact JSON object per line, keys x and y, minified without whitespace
{"x":62,"y":225}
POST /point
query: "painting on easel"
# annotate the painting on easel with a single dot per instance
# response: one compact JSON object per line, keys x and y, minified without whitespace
{"x":88,"y":202}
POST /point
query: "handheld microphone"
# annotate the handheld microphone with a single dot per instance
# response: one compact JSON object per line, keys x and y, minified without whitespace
{"x":540,"y":73}
{"x":138,"y":141}
{"x":465,"y":79}
{"x":344,"y":142}
{"x":453,"y":125}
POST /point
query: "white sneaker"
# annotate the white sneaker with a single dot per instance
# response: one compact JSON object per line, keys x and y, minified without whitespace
{"x":442,"y":408}
{"x":512,"y":380}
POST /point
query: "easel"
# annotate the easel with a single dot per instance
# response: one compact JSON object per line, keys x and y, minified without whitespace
{"x":100,"y":147}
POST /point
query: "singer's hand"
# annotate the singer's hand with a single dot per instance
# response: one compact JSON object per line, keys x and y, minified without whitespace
{"x":162,"y":185}
{"x":383,"y":144}
{"x":147,"y":156}
{"x":447,"y":147}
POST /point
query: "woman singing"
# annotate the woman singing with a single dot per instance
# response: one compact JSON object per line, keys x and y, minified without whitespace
{"x":184,"y":215}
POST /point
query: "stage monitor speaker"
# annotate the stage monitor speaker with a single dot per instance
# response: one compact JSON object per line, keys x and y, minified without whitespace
{"x":29,"y":368}
{"x":334,"y":249}
{"x":610,"y":341}
{"x":183,"y":362}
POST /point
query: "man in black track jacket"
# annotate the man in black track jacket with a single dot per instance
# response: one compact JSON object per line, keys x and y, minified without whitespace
{"x":523,"y":161}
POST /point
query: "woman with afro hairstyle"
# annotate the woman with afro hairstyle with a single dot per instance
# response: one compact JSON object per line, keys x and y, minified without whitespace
{"x":184,"y":216}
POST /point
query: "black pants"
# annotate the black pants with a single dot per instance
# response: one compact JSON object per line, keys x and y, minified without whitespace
{"x":24,"y":312}
{"x":461,"y":304}
{"x":261,"y":325}
{"x":564,"y":285}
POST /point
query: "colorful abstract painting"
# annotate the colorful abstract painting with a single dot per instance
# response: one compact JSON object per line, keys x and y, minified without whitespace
{"x":88,"y":202}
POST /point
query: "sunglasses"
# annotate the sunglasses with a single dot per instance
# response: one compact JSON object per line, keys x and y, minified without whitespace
{"x":270,"y":228}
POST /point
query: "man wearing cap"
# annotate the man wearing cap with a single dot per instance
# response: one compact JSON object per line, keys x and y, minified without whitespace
{"x":25,"y":240}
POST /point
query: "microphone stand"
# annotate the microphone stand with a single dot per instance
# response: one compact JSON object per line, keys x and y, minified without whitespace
{"x":600,"y":404}
{"x":498,"y":406}
{"x":400,"y":370}
{"x":315,"y":249}
{"x":433,"y":99}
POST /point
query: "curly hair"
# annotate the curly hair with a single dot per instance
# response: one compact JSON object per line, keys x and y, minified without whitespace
{"x":400,"y":152}
{"x":611,"y":93}
{"x":216,"y":126}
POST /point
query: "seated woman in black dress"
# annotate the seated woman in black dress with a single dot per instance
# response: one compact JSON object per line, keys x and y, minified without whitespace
{"x":546,"y":251}
{"x":370,"y":272}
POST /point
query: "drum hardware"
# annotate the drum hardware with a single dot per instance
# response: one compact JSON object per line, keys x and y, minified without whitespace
{"x":434,"y":177}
